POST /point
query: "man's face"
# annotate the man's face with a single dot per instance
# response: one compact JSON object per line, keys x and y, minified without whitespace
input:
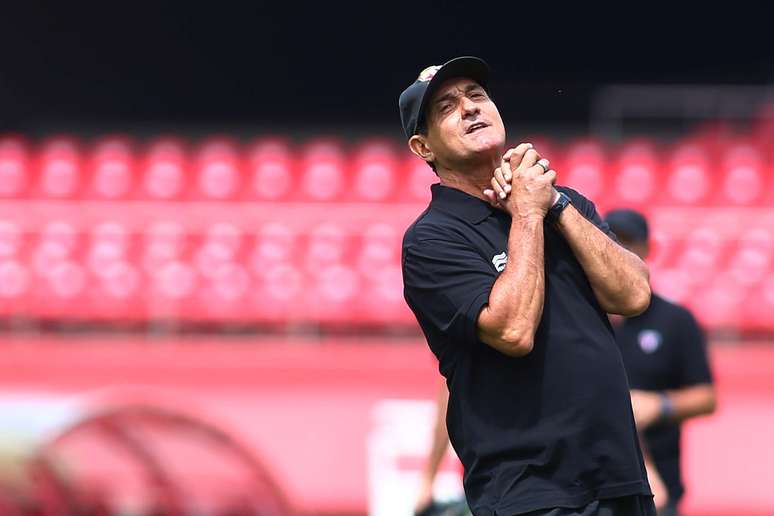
{"x":463,"y":124}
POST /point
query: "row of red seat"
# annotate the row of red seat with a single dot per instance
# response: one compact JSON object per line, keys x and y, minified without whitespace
{"x":691,"y":172}
{"x":273,"y":275}
{"x":335,"y":270}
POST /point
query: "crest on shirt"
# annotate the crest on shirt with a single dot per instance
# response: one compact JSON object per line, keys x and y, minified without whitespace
{"x":499,"y":261}
{"x":428,"y":73}
{"x":650,"y":340}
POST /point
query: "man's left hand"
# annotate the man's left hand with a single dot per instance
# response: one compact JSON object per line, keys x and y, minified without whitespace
{"x":646,"y":406}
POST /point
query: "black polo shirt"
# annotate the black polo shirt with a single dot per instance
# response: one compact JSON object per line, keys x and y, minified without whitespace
{"x":664,"y":349}
{"x":553,"y":428}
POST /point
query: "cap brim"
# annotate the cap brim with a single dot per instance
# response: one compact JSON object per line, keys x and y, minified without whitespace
{"x":465,"y":66}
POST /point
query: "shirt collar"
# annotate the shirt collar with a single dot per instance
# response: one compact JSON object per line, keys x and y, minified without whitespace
{"x":459,"y":203}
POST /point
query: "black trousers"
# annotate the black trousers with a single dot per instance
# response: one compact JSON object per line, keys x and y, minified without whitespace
{"x":627,"y":506}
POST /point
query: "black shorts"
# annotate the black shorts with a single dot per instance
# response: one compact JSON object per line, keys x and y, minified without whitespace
{"x":626,"y":506}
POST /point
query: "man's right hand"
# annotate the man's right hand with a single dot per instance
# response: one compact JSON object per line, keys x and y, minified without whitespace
{"x":521,"y":186}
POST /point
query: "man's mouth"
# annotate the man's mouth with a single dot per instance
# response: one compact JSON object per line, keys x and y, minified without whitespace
{"x":476,"y":126}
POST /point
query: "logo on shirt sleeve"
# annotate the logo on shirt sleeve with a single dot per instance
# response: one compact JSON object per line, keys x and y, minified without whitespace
{"x":650,"y":340}
{"x":499,"y":261}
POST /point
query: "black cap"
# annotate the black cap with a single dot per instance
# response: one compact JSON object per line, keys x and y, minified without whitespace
{"x":628,"y":225}
{"x":413,"y":99}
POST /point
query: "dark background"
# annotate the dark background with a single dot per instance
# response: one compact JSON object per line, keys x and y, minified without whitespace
{"x":282,"y":65}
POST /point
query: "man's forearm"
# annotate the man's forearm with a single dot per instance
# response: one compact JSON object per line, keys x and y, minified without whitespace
{"x":510,"y":319}
{"x":692,"y":401}
{"x":660,"y":493}
{"x":440,"y":436}
{"x":618,"y":277}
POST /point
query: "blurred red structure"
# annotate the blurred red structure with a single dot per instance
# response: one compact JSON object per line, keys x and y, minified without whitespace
{"x":271,"y":232}
{"x":308,"y":412}
{"x":139,"y":458}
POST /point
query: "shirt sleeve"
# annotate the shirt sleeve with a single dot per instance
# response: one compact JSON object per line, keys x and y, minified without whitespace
{"x":447,"y":284}
{"x":694,"y":367}
{"x":587,"y":208}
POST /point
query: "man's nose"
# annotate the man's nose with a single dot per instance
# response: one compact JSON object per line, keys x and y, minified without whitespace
{"x":469,"y":108}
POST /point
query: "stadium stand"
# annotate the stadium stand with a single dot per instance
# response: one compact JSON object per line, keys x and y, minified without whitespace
{"x":276,"y":232}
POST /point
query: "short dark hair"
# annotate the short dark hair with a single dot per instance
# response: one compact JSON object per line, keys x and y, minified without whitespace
{"x":422,"y":129}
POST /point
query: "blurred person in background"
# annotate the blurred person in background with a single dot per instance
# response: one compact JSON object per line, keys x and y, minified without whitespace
{"x":425,"y":504}
{"x":665,"y":356}
{"x":511,"y":280}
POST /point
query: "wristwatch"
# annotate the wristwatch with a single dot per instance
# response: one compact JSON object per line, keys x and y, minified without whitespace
{"x":667,"y":408}
{"x":561,"y":203}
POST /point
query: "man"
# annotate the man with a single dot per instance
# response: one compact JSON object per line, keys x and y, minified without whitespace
{"x":666,"y":361}
{"x":511,"y":279}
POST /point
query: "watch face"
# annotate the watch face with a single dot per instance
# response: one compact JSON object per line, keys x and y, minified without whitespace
{"x":556,"y":209}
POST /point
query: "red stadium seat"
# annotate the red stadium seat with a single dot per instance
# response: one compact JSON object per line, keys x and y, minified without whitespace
{"x":112,"y":169}
{"x":225,"y":291}
{"x":59,"y":277}
{"x":271,"y":170}
{"x":174,"y":282}
{"x":743,"y":173}
{"x":15,"y":274}
{"x":164,"y":171}
{"x":382,"y":298}
{"x":584,"y":168}
{"x":753,"y":257}
{"x":415,"y":180}
{"x":636,"y":177}
{"x":673,"y":284}
{"x":218,"y":170}
{"x":221,"y":263}
{"x":120,"y":280}
{"x":170,"y":272}
{"x":59,"y":170}
{"x":333,"y":281}
{"x":720,"y":303}
{"x":662,"y":248}
{"x":690,"y":175}
{"x":759,"y":305}
{"x":62,"y":291}
{"x":275,"y":244}
{"x":14,"y":167}
{"x":379,"y":247}
{"x":701,"y":255}
{"x":335,"y":288}
{"x":15,"y":280}
{"x":323,"y":172}
{"x":11,"y":238}
{"x":279,"y":281}
{"x":109,"y":244}
{"x":220,"y":246}
{"x":57,"y":242}
{"x":117,"y":285}
{"x":378,"y":263}
{"x":374,"y":172}
{"x":281,"y":294}
{"x":164,"y":242}
{"x":327,"y":245}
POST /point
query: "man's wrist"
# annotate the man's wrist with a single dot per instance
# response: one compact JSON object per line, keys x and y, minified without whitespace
{"x":667,"y":408}
{"x":535,"y":217}
{"x":562,"y":201}
{"x":556,"y":198}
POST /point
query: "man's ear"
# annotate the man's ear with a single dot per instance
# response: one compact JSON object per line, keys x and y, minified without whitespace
{"x":418,"y":145}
